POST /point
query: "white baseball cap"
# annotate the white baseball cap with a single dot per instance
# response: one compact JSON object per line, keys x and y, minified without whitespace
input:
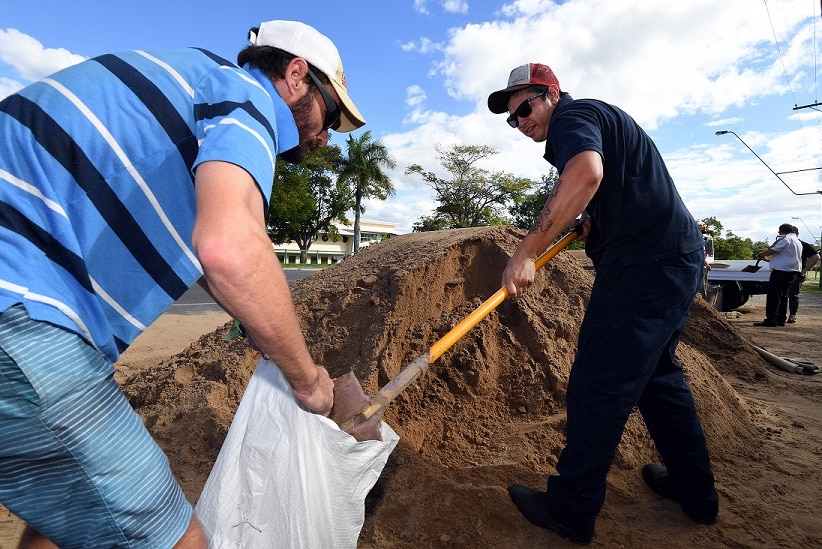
{"x":305,"y":41}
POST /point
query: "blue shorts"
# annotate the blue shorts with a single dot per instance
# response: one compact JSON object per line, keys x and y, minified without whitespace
{"x":76,"y":462}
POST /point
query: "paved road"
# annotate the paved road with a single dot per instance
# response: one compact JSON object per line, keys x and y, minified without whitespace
{"x":196,"y":300}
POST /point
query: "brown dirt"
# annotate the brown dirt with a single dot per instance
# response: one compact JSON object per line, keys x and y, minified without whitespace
{"x":490,"y":411}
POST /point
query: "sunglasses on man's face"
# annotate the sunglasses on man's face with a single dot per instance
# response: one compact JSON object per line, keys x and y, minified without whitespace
{"x":332,"y":110}
{"x":523,"y":111}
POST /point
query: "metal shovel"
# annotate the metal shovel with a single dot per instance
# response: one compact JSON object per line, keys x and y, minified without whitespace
{"x":362,"y":420}
{"x":752,"y":268}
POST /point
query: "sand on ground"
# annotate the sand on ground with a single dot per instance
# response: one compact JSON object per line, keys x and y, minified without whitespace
{"x":490,"y":411}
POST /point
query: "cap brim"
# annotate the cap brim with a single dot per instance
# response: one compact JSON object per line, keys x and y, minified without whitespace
{"x":498,"y":101}
{"x":350,"y":117}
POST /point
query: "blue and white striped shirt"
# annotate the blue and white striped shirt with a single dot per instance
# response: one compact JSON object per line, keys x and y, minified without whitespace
{"x":97,"y":197}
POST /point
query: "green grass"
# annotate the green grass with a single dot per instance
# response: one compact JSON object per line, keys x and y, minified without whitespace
{"x":811,"y":285}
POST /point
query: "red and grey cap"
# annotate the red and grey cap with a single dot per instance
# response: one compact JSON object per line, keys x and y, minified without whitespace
{"x":530,"y":74}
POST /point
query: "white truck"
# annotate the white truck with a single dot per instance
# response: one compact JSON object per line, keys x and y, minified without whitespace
{"x":728,"y":286}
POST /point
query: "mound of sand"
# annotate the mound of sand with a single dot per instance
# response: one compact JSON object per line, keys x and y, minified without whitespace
{"x":489,"y":412}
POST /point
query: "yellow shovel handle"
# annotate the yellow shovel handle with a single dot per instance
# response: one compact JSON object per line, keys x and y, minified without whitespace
{"x":419,"y":365}
{"x":446,"y":341}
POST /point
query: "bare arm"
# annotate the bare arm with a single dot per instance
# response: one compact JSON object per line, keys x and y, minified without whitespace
{"x":813,"y":260}
{"x":242,"y":273}
{"x":765,"y":253}
{"x":571,"y":194}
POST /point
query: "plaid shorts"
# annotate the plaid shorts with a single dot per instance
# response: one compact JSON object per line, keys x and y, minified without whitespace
{"x":76,"y":462}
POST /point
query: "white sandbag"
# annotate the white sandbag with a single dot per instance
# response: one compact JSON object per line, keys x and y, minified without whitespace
{"x":286,"y":477}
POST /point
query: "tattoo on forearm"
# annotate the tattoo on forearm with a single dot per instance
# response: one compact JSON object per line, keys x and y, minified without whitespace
{"x":542,"y":224}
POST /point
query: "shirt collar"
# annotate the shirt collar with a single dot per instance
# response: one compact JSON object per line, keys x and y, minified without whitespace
{"x":288,"y":136}
{"x":550,"y":156}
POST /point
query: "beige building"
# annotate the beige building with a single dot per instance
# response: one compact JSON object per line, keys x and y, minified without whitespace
{"x":325,"y":250}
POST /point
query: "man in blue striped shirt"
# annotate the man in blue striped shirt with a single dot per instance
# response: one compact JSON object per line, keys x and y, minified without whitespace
{"x":124,"y":180}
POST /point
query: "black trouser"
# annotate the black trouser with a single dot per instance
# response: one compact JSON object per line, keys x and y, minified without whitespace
{"x":776,"y":303}
{"x":793,"y":294}
{"x":626,"y":357}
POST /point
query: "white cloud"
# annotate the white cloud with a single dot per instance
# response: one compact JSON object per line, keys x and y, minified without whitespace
{"x":422,"y":46}
{"x":655,"y":59}
{"x":421,"y":6}
{"x":689,"y":66}
{"x":724,"y":122}
{"x":455,"y":6}
{"x":414,"y":96}
{"x":29,"y":58}
{"x":8,"y":87}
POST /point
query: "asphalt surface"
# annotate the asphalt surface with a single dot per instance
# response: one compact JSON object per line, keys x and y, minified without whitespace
{"x":196,"y":300}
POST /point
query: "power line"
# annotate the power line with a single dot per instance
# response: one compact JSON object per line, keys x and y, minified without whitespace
{"x":779,"y":50}
{"x":790,"y":88}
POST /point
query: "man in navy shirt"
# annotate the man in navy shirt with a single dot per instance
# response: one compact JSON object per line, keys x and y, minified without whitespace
{"x":647,"y":251}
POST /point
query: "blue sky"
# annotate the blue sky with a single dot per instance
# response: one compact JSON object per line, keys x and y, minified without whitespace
{"x":420,"y":71}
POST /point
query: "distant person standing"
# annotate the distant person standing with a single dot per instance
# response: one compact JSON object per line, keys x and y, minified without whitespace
{"x":785,"y":256}
{"x":810,"y":257}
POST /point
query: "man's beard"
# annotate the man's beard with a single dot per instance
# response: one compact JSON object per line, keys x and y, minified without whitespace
{"x":302,"y":111}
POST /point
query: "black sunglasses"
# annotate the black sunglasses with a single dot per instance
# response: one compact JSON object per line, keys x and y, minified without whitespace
{"x":523,"y":111}
{"x":332,"y":110}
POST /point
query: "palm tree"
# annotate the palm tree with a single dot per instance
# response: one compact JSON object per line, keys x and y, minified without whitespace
{"x":363,"y":172}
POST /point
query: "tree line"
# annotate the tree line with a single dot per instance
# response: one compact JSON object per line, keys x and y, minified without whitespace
{"x":727,"y":245}
{"x":309,"y":197}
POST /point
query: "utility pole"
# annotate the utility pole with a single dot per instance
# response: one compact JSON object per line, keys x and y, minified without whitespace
{"x":807,"y":106}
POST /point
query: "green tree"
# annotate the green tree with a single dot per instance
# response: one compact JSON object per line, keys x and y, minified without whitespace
{"x":729,"y":246}
{"x":474,"y":196}
{"x":712,"y":226}
{"x":429,"y":223}
{"x":306,"y":198}
{"x":733,"y":247}
{"x":363,"y":173}
{"x":526,"y":210}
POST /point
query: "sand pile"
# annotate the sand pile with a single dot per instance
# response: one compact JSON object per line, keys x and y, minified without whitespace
{"x":489,"y":412}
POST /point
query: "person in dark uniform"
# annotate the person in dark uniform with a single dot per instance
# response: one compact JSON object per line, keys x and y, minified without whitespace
{"x":648,"y":254}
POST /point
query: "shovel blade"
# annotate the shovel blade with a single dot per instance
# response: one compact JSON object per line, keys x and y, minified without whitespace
{"x":350,"y":400}
{"x":752,"y":268}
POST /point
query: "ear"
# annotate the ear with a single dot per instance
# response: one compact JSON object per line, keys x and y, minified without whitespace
{"x":293,"y":85}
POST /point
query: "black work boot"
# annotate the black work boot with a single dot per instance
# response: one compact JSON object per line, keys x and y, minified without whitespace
{"x":531,"y":503}
{"x":656,"y":477}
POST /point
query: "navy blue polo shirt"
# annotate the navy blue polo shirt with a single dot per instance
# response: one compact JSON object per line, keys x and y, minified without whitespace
{"x":637,"y":214}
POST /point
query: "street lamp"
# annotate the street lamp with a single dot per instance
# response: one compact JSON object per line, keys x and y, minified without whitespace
{"x":724,"y":132}
{"x":810,"y":232}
